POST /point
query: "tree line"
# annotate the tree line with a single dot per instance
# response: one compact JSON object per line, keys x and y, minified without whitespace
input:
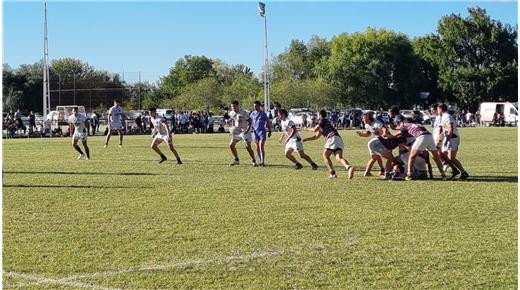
{"x":467,"y":61}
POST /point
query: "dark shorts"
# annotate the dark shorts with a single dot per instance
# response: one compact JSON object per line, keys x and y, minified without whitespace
{"x":259,"y":136}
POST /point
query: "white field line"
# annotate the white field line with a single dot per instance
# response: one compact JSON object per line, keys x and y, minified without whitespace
{"x":72,"y":279}
{"x":44,"y":280}
{"x":173,"y":265}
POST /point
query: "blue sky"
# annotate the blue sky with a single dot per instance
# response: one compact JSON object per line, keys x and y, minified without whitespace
{"x":149,"y":37}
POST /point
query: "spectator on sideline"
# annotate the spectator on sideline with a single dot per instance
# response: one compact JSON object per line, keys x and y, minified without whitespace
{"x":32,"y":122}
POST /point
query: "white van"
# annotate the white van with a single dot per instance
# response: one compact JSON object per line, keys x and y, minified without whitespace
{"x":508,"y":110}
{"x":165,"y":113}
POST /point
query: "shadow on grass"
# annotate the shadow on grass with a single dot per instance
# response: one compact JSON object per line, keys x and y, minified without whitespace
{"x":510,"y":179}
{"x":64,"y":186}
{"x":84,"y":173}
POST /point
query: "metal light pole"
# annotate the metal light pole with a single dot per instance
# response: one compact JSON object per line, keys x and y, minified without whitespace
{"x":139,"y":94}
{"x":74,"y":82}
{"x":261,"y":10}
{"x":46,"y":86}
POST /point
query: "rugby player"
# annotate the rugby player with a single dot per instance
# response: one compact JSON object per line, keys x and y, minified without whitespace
{"x":259,"y":120}
{"x":240,"y":130}
{"x":161,"y":132}
{"x":333,"y":146}
{"x":450,"y":141}
{"x":293,"y":141}
{"x":423,"y":141}
{"x":375,"y":147}
{"x":78,"y":131}
{"x":115,"y":118}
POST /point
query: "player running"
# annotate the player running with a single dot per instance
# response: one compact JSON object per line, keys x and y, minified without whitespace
{"x":450,"y":142}
{"x":115,"y":122}
{"x":423,"y":141}
{"x":293,"y":141}
{"x":334,"y":145}
{"x":78,"y":131}
{"x":375,"y":147}
{"x":240,"y":130}
{"x":161,"y":132}
{"x":259,"y":121}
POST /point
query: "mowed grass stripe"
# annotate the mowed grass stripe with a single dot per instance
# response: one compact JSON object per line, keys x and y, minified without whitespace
{"x":365,"y":233}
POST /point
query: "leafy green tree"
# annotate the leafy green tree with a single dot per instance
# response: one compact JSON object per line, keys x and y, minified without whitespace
{"x":244,"y":89}
{"x":187,"y":70}
{"x":373,"y":69}
{"x":477,"y":58}
{"x":206,"y":94}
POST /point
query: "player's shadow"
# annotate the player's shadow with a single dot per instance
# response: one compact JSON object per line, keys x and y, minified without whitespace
{"x":509,"y":179}
{"x":63,"y":186}
{"x":83,"y":173}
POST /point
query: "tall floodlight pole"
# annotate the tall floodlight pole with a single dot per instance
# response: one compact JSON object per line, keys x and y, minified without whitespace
{"x":261,"y":10}
{"x":46,"y":87}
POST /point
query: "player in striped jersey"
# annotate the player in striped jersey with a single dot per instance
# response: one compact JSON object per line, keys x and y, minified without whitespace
{"x":423,"y":141}
{"x":161,"y":132}
{"x":333,"y":145}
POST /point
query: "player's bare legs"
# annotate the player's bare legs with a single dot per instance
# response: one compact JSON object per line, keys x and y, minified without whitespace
{"x":75,"y":145}
{"x":172,"y":149}
{"x":108,"y":136}
{"x":308,"y":159}
{"x":87,"y":150}
{"x":289,"y":155}
{"x":120,"y":132}
{"x":233,"y":149}
{"x":250,"y":151}
{"x":344,"y":162}
{"x":328,"y":163}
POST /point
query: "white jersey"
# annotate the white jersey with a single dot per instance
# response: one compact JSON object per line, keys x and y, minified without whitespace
{"x":157,"y":125}
{"x":436,"y":127}
{"x":288,"y":124}
{"x":240,"y":120}
{"x":79,"y":123}
{"x":115,"y":112}
{"x":446,"y":119}
{"x":374,"y":128}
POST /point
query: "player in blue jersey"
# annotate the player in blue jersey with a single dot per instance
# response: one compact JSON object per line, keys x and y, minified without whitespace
{"x":259,"y":122}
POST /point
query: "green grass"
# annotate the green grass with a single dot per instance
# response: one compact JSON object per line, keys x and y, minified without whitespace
{"x":122,"y":210}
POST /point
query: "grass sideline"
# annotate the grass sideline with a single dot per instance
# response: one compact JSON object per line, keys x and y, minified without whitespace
{"x":206,"y":225}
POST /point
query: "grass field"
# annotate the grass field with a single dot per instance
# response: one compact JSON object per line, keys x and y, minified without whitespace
{"x":123,"y":221}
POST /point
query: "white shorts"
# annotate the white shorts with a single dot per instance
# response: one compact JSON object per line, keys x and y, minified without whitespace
{"x":292,"y":144}
{"x":246,"y":137}
{"x":81,"y":136}
{"x":116,"y":125}
{"x":375,"y":147}
{"x":424,"y":142}
{"x":334,"y":143}
{"x":159,"y":138}
{"x":451,"y":145}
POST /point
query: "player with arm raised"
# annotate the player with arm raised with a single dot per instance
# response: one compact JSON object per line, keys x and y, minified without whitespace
{"x":333,"y":146}
{"x":292,"y":141}
{"x":161,"y":132}
{"x":79,"y":125}
{"x":115,"y":116}
{"x":240,"y":130}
